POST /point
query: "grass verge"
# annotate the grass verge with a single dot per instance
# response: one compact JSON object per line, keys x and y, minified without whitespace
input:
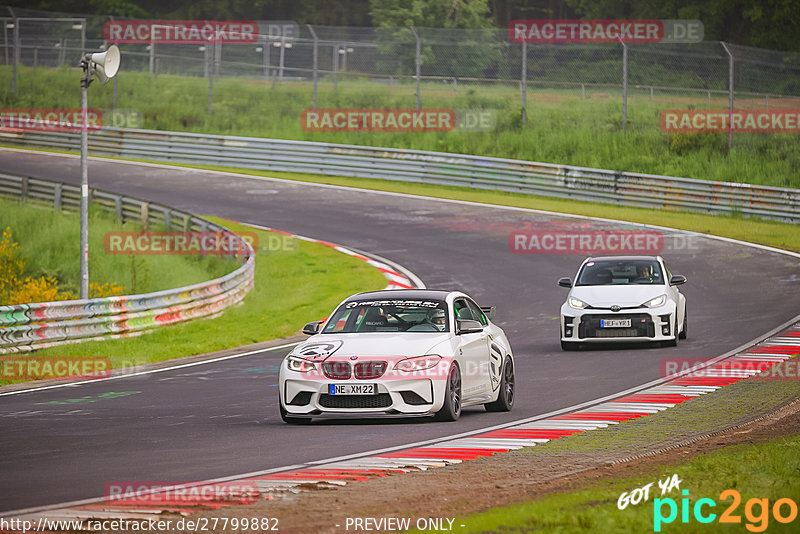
{"x":562,"y":127}
{"x":292,"y":287}
{"x":49,"y":241}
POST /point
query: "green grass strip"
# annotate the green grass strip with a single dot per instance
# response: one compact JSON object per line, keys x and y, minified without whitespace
{"x":764,"y":471}
{"x":50,"y":243}
{"x":561,"y":128}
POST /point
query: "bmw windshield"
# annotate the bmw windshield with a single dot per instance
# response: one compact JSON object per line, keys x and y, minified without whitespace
{"x":601,"y":273}
{"x":357,"y":316}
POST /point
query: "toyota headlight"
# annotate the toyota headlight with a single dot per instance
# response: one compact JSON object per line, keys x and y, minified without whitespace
{"x":578,"y":304}
{"x":656,"y":302}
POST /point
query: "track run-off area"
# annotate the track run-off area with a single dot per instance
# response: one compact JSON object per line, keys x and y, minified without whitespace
{"x":221,"y":418}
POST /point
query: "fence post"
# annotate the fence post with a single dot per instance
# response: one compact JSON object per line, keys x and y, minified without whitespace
{"x":730,"y":95}
{"x":265,"y":51}
{"x":23,"y":189}
{"x":114,"y":101}
{"x":524,"y":81}
{"x":624,"y":83}
{"x":118,"y":210}
{"x":210,"y":67}
{"x":417,"y":62}
{"x":316,"y":61}
{"x":281,"y":58}
{"x":16,"y":59}
{"x":5,"y":40}
{"x":152,"y":50}
{"x":335,"y":60}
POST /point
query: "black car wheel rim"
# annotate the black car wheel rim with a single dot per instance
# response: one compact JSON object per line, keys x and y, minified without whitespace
{"x":509,"y":378}
{"x":455,"y":390}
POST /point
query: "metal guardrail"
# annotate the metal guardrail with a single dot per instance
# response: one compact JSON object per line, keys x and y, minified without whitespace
{"x":498,"y":174}
{"x":26,"y":327}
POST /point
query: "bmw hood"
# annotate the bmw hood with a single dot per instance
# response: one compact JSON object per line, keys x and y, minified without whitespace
{"x":621,"y":295}
{"x":324,"y":346}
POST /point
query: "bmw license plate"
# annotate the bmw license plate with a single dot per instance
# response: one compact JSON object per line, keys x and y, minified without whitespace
{"x":352,"y":389}
{"x":615,"y":323}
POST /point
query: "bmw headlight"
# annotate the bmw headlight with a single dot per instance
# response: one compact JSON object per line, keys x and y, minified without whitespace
{"x":578,"y":304}
{"x":300,"y":365}
{"x":418,"y":363}
{"x":656,"y":302}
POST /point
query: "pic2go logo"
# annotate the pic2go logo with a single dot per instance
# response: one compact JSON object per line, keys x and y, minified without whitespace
{"x":756,"y":511}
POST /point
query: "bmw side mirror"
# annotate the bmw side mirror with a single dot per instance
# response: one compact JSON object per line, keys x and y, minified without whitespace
{"x":676,"y":280}
{"x":565,"y":282}
{"x":468,"y":326}
{"x":312,"y":328}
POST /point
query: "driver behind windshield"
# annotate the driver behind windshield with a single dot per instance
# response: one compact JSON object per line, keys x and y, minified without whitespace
{"x":437,"y":318}
{"x":645,"y":274}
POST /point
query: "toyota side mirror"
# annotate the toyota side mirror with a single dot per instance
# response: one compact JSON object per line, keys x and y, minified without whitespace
{"x":565,"y":282}
{"x":676,"y":280}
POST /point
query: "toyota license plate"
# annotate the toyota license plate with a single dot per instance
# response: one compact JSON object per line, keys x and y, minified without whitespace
{"x":615,"y":323}
{"x":352,"y":389}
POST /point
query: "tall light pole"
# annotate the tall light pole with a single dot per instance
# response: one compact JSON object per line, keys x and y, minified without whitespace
{"x":103,"y":66}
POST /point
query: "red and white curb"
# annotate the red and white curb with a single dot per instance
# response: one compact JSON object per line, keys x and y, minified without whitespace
{"x":338,"y":472}
{"x":398,"y":276}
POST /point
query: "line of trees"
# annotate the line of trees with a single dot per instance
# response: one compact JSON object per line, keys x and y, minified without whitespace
{"x":773,"y":24}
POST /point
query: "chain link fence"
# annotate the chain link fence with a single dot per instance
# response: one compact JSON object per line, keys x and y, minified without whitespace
{"x":427,"y":62}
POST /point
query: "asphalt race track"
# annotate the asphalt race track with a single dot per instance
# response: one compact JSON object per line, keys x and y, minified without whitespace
{"x":222,"y":419}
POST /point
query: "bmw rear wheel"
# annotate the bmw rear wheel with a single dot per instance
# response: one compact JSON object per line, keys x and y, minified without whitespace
{"x":505,"y":397}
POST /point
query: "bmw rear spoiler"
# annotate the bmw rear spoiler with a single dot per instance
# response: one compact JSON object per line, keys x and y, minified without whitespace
{"x":488,"y":311}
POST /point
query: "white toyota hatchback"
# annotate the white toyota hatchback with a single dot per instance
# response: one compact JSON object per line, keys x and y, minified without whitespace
{"x":399,"y":352}
{"x":623,"y":298}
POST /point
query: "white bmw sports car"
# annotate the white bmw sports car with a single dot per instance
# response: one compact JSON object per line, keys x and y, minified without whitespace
{"x":623,"y":298}
{"x":399,"y":352}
